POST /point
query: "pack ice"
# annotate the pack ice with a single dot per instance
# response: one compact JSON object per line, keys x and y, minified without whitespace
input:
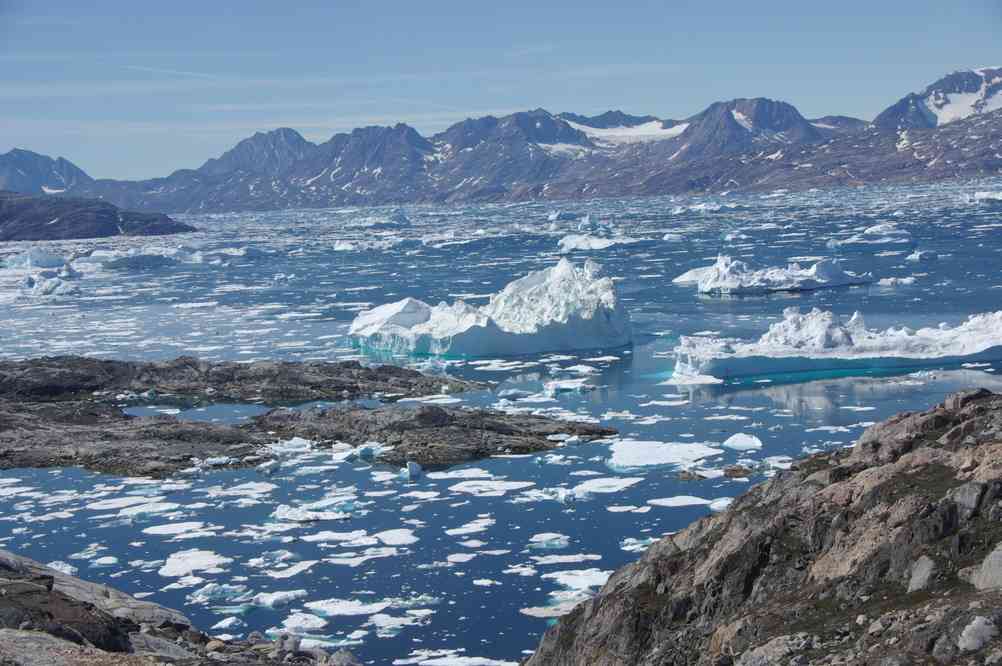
{"x":732,"y":276}
{"x":564,"y":307}
{"x":820,"y":340}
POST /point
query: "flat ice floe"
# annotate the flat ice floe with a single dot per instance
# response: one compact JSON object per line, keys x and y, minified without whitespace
{"x":572,"y":242}
{"x":820,"y":340}
{"x":633,"y":454}
{"x":563,"y":307}
{"x":732,"y":276}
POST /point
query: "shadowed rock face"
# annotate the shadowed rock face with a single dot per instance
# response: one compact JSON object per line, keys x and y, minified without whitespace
{"x":56,"y":412}
{"x":890,"y":553}
{"x":56,"y":218}
{"x":48,"y":618}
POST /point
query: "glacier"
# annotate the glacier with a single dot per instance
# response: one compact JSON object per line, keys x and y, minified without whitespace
{"x":734,"y":277}
{"x":561,"y":308}
{"x":820,"y":341}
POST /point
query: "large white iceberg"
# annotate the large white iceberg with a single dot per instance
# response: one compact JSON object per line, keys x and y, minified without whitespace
{"x":821,"y":341}
{"x":559,"y":308}
{"x":732,"y":276}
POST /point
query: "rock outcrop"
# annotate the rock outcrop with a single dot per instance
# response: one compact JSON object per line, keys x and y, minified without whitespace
{"x":67,"y":411}
{"x":887,"y":554}
{"x":429,"y":435}
{"x":73,"y":377}
{"x":49,"y":618}
{"x":30,"y":218}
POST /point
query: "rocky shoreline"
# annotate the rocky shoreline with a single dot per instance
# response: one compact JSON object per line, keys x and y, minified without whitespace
{"x":67,"y":411}
{"x":49,"y":618}
{"x":889,"y":553}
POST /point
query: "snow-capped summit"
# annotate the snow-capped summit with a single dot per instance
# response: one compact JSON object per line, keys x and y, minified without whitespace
{"x":954,"y":97}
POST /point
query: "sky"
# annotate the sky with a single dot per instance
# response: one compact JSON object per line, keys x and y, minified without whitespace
{"x":133,"y":90}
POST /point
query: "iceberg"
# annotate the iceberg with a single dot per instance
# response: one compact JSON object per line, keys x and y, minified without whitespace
{"x":47,"y":284}
{"x":821,"y":341}
{"x":988,"y":198}
{"x":35,"y":257}
{"x":572,"y":242}
{"x":560,"y":308}
{"x":732,"y":276}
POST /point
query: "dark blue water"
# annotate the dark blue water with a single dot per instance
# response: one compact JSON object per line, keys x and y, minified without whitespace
{"x":410,"y":596}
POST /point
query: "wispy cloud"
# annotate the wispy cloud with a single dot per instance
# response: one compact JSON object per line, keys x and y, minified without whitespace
{"x":173,"y":72}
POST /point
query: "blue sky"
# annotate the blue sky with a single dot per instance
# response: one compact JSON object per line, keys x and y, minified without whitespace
{"x":130,"y":89}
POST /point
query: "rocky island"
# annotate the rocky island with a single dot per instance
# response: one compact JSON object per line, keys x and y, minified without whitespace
{"x":32,"y":218}
{"x":67,"y":411}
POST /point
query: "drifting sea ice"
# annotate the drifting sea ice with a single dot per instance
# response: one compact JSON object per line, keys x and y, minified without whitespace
{"x":732,"y":276}
{"x":572,"y":242}
{"x":819,"y":340}
{"x":559,"y":308}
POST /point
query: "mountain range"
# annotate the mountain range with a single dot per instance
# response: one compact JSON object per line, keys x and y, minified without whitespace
{"x":951,"y":129}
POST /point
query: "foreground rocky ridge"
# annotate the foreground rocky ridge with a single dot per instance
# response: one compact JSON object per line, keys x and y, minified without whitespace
{"x":48,"y":618}
{"x":67,"y":411}
{"x":887,"y":554}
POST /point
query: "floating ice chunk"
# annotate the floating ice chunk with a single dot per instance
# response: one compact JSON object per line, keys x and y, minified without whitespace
{"x":277,"y":599}
{"x":411,"y":471}
{"x":549,"y":541}
{"x":604,"y":485}
{"x":679,"y":500}
{"x":35,"y":257}
{"x":922,"y":256}
{"x":632,"y":545}
{"x":559,"y":308}
{"x":988,"y":198}
{"x":398,"y":537}
{"x":42,"y":286}
{"x":895,"y":281}
{"x":695,"y":275}
{"x":63,"y":567}
{"x":388,"y":626}
{"x":472,"y":527}
{"x":489,"y":488}
{"x":303,"y":514}
{"x":185,"y":562}
{"x":291,"y":446}
{"x":340,"y":607}
{"x":632,"y":454}
{"x":578,"y":585}
{"x":742,"y":442}
{"x":294,"y":570}
{"x":121,"y":502}
{"x":148,"y":508}
{"x":299,"y":623}
{"x":216,"y":592}
{"x":106,"y":561}
{"x":818,"y":340}
{"x":572,"y":242}
{"x":231,"y":622}
{"x":731,"y":276}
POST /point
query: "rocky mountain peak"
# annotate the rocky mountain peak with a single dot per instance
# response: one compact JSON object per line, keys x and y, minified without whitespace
{"x":267,"y":153}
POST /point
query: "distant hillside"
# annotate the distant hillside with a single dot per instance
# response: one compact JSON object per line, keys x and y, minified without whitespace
{"x":952,"y":129}
{"x":24,"y":217}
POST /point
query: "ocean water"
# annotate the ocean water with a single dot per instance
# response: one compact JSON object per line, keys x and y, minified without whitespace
{"x":474,"y":561}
